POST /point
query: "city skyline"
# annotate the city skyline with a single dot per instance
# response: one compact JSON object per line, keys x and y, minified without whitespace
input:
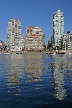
{"x":34,"y":13}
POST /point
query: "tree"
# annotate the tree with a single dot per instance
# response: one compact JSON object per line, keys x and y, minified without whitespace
{"x":68,"y":32}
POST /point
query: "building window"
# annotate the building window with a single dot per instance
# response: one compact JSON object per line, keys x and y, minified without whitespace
{"x":12,"y":23}
{"x":19,"y":27}
{"x":37,"y":32}
{"x":16,"y":25}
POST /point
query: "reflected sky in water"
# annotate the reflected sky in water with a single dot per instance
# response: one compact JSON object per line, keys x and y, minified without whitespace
{"x":38,"y":75}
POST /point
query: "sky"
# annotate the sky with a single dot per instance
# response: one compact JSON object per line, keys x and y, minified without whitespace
{"x":34,"y":13}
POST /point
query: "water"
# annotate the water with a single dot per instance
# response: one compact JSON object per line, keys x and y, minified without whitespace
{"x":35,"y":81}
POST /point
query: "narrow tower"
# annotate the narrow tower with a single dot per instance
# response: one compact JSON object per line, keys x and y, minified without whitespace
{"x":58,"y":27}
{"x":13,"y":31}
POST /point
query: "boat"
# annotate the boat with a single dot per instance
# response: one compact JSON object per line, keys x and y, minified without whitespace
{"x":70,"y":52}
{"x":54,"y":53}
{"x":46,"y":52}
{"x":6,"y":53}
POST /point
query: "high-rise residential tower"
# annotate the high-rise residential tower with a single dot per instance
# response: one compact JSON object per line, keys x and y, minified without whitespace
{"x":58,"y":27}
{"x":14,"y":39}
{"x":13,"y":31}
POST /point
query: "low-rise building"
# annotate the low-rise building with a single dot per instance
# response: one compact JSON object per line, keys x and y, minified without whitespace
{"x":66,"y":41}
{"x":3,"y":46}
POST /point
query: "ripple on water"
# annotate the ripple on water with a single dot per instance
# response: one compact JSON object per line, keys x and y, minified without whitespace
{"x":35,"y":81}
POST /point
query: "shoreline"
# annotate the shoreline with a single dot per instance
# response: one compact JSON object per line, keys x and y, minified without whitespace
{"x":50,"y":53}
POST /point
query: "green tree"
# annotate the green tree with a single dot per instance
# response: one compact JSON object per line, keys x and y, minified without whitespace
{"x":68,"y":32}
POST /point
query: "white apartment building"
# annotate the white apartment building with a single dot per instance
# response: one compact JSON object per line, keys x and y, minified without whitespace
{"x":14,"y":35}
{"x":58,"y":27}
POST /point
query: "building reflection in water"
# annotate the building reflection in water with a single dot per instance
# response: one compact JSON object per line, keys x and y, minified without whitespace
{"x":68,"y":69}
{"x":33,"y":67}
{"x":27,"y":67}
{"x":58,"y":78}
{"x":15,"y":69}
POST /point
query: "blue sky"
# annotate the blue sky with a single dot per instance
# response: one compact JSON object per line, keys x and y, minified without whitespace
{"x":34,"y":13}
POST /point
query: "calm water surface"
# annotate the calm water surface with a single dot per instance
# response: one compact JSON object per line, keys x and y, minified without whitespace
{"x":35,"y":81}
